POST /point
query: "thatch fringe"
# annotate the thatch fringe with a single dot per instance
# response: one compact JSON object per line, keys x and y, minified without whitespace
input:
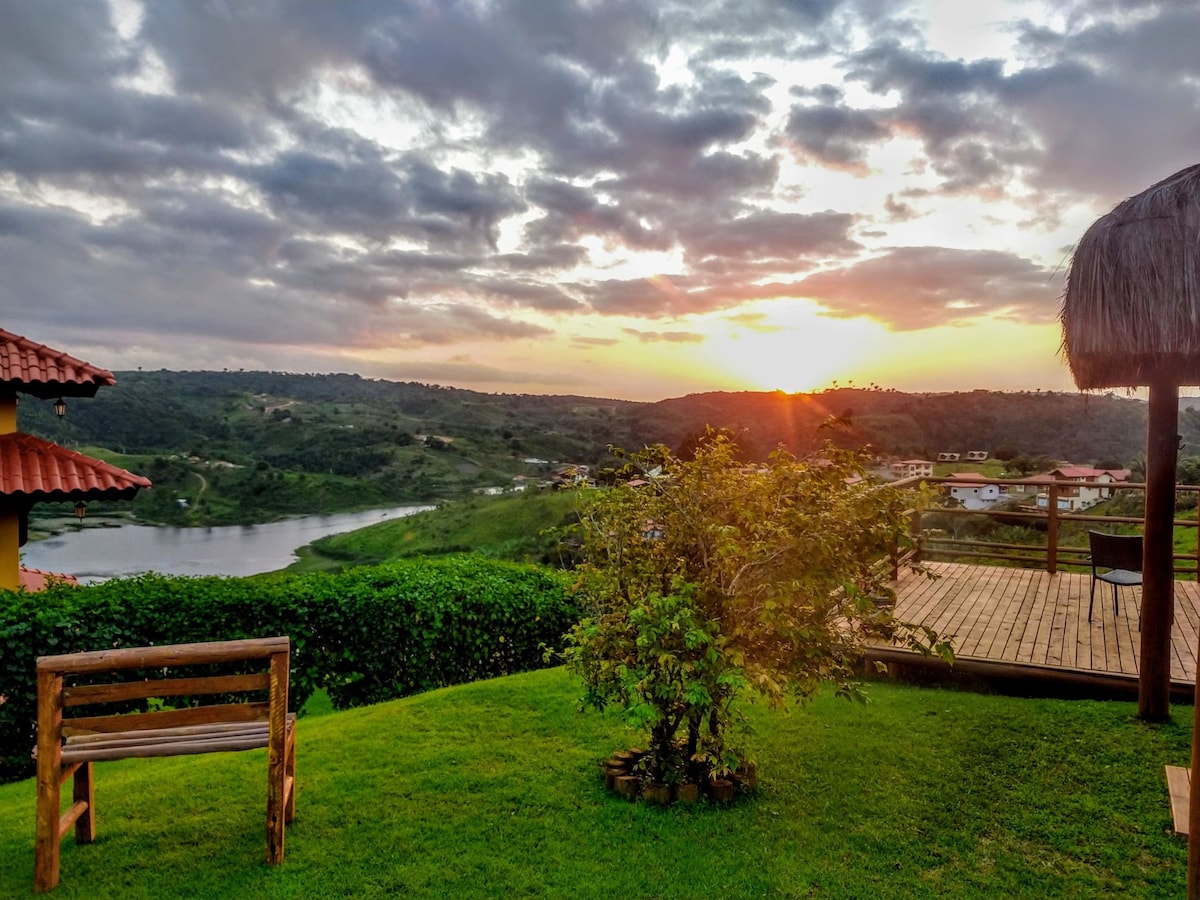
{"x":1131,"y":310}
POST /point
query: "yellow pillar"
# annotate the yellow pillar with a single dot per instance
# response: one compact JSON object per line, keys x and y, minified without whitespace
{"x":10,"y":550}
{"x":8,"y":413}
{"x":10,"y":520}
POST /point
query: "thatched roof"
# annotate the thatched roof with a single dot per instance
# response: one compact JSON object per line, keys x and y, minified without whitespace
{"x":1131,"y":311}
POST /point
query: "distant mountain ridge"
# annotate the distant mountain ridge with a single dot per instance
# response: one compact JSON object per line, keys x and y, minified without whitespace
{"x":372,"y":430}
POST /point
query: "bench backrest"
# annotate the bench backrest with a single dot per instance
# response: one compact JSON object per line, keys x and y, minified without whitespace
{"x":54,"y":697}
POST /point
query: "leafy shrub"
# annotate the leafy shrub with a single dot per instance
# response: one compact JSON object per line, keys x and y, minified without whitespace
{"x":410,"y":626}
{"x":367,"y":635}
{"x":714,"y":579}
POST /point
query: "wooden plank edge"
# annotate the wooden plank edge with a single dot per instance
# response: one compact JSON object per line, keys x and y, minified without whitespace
{"x":1179,"y":786}
{"x":1030,"y":673}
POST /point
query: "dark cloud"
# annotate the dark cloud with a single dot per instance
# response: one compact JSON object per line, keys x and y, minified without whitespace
{"x":924,"y":287}
{"x":836,"y":135}
{"x":790,"y":238}
{"x":464,"y":371}
{"x":43,"y":42}
{"x":322,"y":175}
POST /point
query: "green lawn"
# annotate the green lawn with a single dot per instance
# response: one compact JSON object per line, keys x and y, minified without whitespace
{"x":492,"y":790}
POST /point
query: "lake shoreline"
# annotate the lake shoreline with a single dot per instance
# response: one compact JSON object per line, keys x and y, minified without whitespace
{"x":99,"y":552}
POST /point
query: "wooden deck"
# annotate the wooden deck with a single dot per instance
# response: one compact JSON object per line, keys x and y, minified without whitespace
{"x":1038,"y":622}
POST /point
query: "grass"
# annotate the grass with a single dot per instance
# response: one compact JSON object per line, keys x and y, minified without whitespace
{"x":492,"y":790}
{"x":507,"y":527}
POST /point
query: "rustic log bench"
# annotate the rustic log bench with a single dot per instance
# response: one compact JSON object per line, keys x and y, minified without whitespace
{"x":67,"y":747}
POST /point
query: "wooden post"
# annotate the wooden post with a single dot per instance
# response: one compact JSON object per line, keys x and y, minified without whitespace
{"x":1052,"y":530}
{"x":1193,"y":870}
{"x":1158,"y":576}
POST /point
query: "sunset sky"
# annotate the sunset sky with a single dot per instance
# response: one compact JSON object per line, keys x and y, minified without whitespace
{"x":618,"y":198}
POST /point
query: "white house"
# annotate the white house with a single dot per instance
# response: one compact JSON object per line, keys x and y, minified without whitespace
{"x":969,"y":489}
{"x":913,"y":468}
{"x":1090,"y":486}
{"x":977,"y":455}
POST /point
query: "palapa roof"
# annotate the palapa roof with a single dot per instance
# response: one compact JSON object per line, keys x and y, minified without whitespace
{"x":31,"y":368}
{"x":35,"y":470}
{"x":1131,"y":310}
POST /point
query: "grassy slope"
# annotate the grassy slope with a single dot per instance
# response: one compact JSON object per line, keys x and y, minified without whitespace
{"x":492,"y":790}
{"x":507,"y":526}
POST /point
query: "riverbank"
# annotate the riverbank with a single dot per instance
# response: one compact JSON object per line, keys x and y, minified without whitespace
{"x":101,"y":550}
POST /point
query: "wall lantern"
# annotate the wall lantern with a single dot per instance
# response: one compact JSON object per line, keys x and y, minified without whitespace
{"x":80,"y":510}
{"x":60,"y":407}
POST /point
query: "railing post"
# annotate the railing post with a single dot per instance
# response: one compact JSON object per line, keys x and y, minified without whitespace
{"x":1052,"y":530}
{"x":914,"y":530}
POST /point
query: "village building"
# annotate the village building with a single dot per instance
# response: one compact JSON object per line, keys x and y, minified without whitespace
{"x":1089,"y":486}
{"x":972,"y":492}
{"x":912,"y":468}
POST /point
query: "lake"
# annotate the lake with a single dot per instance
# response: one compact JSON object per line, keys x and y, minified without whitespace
{"x":94,"y":554}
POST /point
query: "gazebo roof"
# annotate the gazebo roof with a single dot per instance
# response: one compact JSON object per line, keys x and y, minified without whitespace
{"x":32,"y":368}
{"x":1131,"y":310}
{"x":36,"y":470}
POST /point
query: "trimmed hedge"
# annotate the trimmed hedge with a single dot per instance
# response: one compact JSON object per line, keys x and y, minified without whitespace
{"x":366,"y":635}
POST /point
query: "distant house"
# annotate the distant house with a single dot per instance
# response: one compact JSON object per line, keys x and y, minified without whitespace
{"x":970,"y":489}
{"x":912,"y":468}
{"x":1090,"y":486}
{"x":948,"y":457}
{"x":977,"y":455}
{"x":570,"y":474}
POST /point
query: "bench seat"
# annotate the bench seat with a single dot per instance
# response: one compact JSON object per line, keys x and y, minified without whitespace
{"x":185,"y":740}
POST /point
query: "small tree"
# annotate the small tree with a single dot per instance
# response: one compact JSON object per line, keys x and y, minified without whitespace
{"x":713,"y":577}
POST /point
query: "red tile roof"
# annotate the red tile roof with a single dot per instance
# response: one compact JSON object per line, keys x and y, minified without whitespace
{"x":37,"y":580}
{"x":37,"y":470}
{"x":36,"y":369}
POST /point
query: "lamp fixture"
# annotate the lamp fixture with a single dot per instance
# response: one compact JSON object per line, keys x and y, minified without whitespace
{"x":80,"y":510}
{"x":60,"y":407}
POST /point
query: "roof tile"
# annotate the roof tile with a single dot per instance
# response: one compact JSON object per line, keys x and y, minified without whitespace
{"x":38,"y":470}
{"x":38,"y":580}
{"x":36,"y":369}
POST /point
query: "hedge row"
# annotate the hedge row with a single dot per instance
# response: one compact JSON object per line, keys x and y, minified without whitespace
{"x":365,"y":635}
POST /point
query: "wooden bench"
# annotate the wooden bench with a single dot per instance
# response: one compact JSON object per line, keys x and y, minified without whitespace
{"x":67,"y":747}
{"x":1179,"y":786}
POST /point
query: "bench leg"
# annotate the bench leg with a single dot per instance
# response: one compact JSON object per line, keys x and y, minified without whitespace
{"x":290,"y":776}
{"x":276,"y":797}
{"x":85,"y":792}
{"x":45,"y":869}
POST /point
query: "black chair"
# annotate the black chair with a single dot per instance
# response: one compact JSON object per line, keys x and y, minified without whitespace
{"x":1121,"y":555}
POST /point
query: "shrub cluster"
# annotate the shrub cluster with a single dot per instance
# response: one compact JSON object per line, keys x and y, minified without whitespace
{"x":366,"y":635}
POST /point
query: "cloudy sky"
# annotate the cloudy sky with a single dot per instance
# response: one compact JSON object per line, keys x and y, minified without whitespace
{"x":621,"y":198}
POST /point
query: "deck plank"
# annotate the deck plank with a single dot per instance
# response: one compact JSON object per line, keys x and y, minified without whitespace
{"x":1026,"y":615}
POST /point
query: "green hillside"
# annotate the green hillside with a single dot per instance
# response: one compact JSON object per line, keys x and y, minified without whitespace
{"x":229,"y":447}
{"x":512,"y":527}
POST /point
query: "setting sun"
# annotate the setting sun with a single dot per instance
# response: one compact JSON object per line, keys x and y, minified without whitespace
{"x":788,"y":346}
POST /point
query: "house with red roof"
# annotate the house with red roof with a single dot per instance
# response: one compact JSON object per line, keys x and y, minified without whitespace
{"x":33,"y":470}
{"x":1089,"y":486}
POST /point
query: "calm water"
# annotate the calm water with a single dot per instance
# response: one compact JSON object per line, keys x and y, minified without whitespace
{"x":94,"y":554}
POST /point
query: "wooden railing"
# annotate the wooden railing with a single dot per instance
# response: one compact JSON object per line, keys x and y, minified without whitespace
{"x":1050,"y":555}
